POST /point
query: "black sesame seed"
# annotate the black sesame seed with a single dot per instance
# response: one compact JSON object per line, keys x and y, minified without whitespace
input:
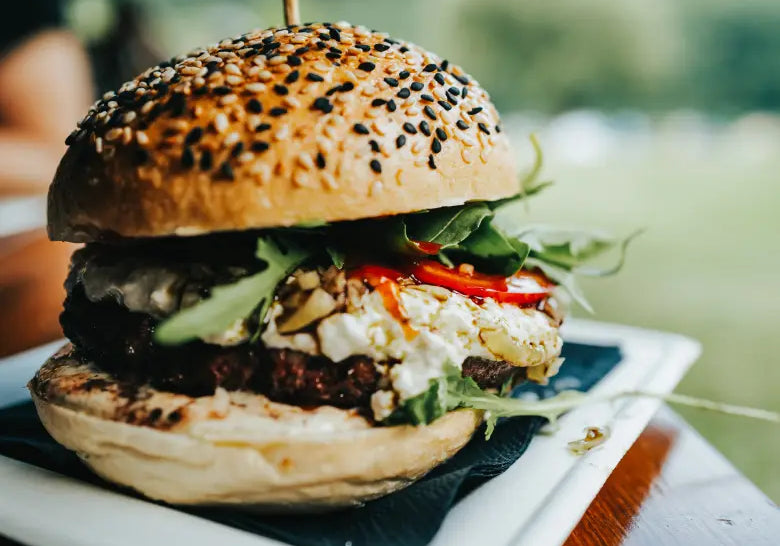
{"x":453,"y":100}
{"x":324,"y":36}
{"x":226,"y":171}
{"x":391,"y":105}
{"x":321,"y":45}
{"x":404,"y":93}
{"x":268,"y":39}
{"x":462,"y":79}
{"x":162,"y":87}
{"x":332,"y":55}
{"x":431,"y":162}
{"x":444,"y":104}
{"x":498,"y":128}
{"x":441,"y":134}
{"x":278,"y":111}
{"x":259,"y":146}
{"x":292,"y":77}
{"x":312,"y":77}
{"x":347,"y":86}
{"x":428,"y":111}
{"x":409,"y":128}
{"x":374,"y":146}
{"x":333,"y":90}
{"x":174,"y":416}
{"x":301,"y":50}
{"x":200,"y":90}
{"x":363,"y":47}
{"x":462,"y":124}
{"x":262,"y":127}
{"x":71,"y":138}
{"x":366,"y":66}
{"x":237,"y":149}
{"x":187,"y":158}
{"x":475,"y":111}
{"x":335,"y":34}
{"x":194,"y":135}
{"x":464,"y":92}
{"x":403,"y":49}
{"x":403,"y":74}
{"x":439,"y":78}
{"x":141,"y":156}
{"x":376,"y":166}
{"x":320,"y":160}
{"x":378,"y":102}
{"x":483,"y":128}
{"x":430,"y":68}
{"x":176,"y":104}
{"x":292,"y":60}
{"x":381,"y":47}
{"x":335,"y":50}
{"x":444,"y":64}
{"x":222,"y":90}
{"x":322,"y":104}
{"x":435,"y":145}
{"x":254,"y":106}
{"x":416,"y":86}
{"x":360,"y":129}
{"x":453,"y":91}
{"x":206,"y":161}
{"x":400,"y":141}
{"x":306,"y":29}
{"x":426,"y":97}
{"x":392,"y":82}
{"x":425,"y":128}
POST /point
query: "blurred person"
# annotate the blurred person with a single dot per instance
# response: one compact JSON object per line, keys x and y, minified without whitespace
{"x":45,"y":87}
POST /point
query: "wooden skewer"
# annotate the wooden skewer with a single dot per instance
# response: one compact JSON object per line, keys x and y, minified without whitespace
{"x":291,"y":14}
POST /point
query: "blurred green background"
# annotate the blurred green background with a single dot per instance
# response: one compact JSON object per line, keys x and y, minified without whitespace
{"x":653,"y":113}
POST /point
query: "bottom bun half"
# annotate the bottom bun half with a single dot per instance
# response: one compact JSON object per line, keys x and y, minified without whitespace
{"x":234,"y":448}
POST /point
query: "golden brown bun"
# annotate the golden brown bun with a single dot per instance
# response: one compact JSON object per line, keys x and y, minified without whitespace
{"x":234,"y":448}
{"x":270,"y":129}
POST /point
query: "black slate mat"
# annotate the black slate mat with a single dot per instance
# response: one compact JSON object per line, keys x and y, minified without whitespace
{"x":410,"y":517}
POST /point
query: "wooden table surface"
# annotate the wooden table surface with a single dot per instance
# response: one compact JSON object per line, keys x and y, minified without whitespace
{"x":671,"y":488}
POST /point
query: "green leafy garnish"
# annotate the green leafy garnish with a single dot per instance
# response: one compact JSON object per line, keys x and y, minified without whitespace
{"x":231,"y":302}
{"x":453,"y":391}
{"x":493,"y":251}
{"x":447,"y":226}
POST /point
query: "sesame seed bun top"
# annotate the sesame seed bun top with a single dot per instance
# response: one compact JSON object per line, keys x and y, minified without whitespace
{"x":280,"y":127}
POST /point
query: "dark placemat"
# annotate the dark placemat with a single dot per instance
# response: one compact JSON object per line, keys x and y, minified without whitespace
{"x":410,"y":517}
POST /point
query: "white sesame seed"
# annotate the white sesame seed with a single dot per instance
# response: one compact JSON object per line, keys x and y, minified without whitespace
{"x":468,"y":140}
{"x":282,"y":133}
{"x":286,"y":48}
{"x":231,"y":139}
{"x":246,"y":157}
{"x":466,"y":156}
{"x":277,"y":60}
{"x":255,"y":87}
{"x":321,"y":66}
{"x":108,"y":95}
{"x":324,"y":145}
{"x":305,"y":161}
{"x":299,"y":39}
{"x":231,"y":68}
{"x":221,"y":122}
{"x":234,"y":80}
{"x":329,"y":181}
{"x":228,"y":99}
{"x":413,"y":111}
{"x":291,"y":102}
{"x":265,"y":76}
{"x":330,"y":132}
{"x":483,"y":156}
{"x":99,"y":145}
{"x":142,"y":138}
{"x":376,"y":188}
{"x":227,"y":55}
{"x":378,"y":127}
{"x":113,"y":134}
{"x":300,"y":179}
{"x":190,"y":70}
{"x":129,"y":117}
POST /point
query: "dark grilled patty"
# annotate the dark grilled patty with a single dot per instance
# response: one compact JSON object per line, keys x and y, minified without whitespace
{"x":121,"y":342}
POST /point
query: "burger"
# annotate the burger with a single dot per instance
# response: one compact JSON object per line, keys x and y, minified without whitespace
{"x":294,"y":291}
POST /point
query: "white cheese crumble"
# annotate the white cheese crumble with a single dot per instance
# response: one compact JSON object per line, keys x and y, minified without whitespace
{"x":450,"y":327}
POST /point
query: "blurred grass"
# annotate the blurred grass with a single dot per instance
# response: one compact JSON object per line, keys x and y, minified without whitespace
{"x":707,"y":265}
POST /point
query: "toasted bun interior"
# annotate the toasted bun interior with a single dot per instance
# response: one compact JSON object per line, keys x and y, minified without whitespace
{"x":276,"y":128}
{"x":234,"y":448}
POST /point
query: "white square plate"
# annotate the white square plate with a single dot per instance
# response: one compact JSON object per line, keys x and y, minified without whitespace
{"x":557,"y":486}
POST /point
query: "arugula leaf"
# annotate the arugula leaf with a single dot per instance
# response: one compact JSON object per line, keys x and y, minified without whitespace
{"x":562,"y":278}
{"x":337,"y":256}
{"x":494,"y":251}
{"x":447,"y":226}
{"x":572,"y":250}
{"x":230,"y":302}
{"x":529,"y":185}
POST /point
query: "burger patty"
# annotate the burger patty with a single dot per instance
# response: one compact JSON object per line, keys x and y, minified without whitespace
{"x":121,"y":342}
